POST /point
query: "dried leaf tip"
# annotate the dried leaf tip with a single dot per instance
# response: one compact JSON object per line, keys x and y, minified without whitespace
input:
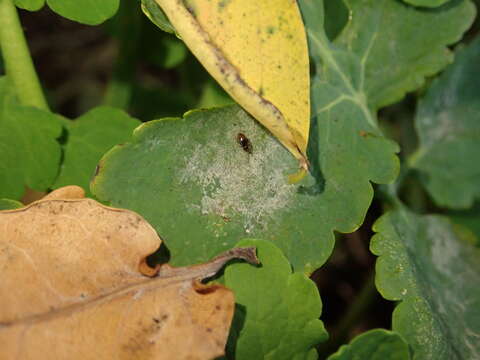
{"x":211,"y":268}
{"x":249,"y":254}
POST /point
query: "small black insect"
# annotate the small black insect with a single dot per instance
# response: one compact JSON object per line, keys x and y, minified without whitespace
{"x":244,"y":143}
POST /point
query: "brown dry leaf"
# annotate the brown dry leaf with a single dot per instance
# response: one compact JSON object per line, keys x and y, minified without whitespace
{"x":71,"y":289}
{"x":66,"y":192}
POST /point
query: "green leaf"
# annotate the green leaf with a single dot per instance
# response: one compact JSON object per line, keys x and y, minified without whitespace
{"x":345,"y":140}
{"x":195,"y":168}
{"x":434,"y":273}
{"x":31,"y":5}
{"x":448,"y":125}
{"x":213,"y":95}
{"x":7,"y":204}
{"x":336,"y":17}
{"x":155,"y":102}
{"x":377,"y":344}
{"x":168,"y":53}
{"x":397,"y":46}
{"x":426,"y":3}
{"x":89,"y":137}
{"x":29,"y":152}
{"x":469,"y":221}
{"x":282,"y":309}
{"x":156,"y":15}
{"x":90,"y":12}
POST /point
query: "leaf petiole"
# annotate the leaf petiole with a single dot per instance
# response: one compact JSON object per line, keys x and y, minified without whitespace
{"x":18,"y":62}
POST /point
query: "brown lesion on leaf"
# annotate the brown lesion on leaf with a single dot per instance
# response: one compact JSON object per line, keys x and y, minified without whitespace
{"x":135,"y":222}
{"x":98,"y":168}
{"x":147,"y":270}
{"x":366,"y":134}
{"x":142,"y":344}
{"x":161,"y":319}
{"x":187,"y":4}
{"x":205,"y":289}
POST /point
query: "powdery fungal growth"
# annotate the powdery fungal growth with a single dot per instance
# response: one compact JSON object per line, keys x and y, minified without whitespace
{"x":247,"y":186}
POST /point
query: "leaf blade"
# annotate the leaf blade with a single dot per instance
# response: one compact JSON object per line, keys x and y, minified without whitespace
{"x":89,"y":137}
{"x":222,"y":194}
{"x":31,"y":5}
{"x":282,"y":308}
{"x":423,"y":263}
{"x":394,"y":56}
{"x":74,"y":271}
{"x":376,"y":344}
{"x":258,"y":83}
{"x":90,"y":12}
{"x":449,"y":133}
{"x":27,"y":138}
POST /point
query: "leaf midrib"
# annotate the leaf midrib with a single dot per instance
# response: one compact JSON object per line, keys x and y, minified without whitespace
{"x":357,"y":97}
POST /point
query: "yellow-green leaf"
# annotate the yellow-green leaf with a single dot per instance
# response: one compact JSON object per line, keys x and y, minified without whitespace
{"x":257,"y":50}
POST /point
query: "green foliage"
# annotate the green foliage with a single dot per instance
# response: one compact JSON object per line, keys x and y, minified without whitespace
{"x":375,"y":344}
{"x":219,"y":192}
{"x":90,"y":12}
{"x":424,"y":263}
{"x":469,"y":220}
{"x":171,"y":53}
{"x":89,"y":137}
{"x":448,"y":125}
{"x":392,"y":58}
{"x":202,"y":192}
{"x":29,"y":150}
{"x":7,"y":204}
{"x":32,"y":5}
{"x":156,"y":15}
{"x":291,"y":301}
{"x":426,"y":3}
{"x":213,"y":95}
{"x":336,"y":17}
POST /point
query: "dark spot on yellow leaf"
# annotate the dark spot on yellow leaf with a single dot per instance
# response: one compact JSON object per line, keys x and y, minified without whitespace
{"x":222,"y":4}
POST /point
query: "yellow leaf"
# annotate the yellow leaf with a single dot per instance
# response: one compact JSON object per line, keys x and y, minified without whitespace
{"x":298,"y":176}
{"x":257,"y":50}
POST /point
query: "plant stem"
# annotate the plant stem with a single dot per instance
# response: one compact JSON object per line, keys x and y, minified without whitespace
{"x":353,"y":315}
{"x":18,"y":62}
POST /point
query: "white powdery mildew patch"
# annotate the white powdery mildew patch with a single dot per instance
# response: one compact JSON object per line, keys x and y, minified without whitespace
{"x":445,"y":249}
{"x":235,"y":183}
